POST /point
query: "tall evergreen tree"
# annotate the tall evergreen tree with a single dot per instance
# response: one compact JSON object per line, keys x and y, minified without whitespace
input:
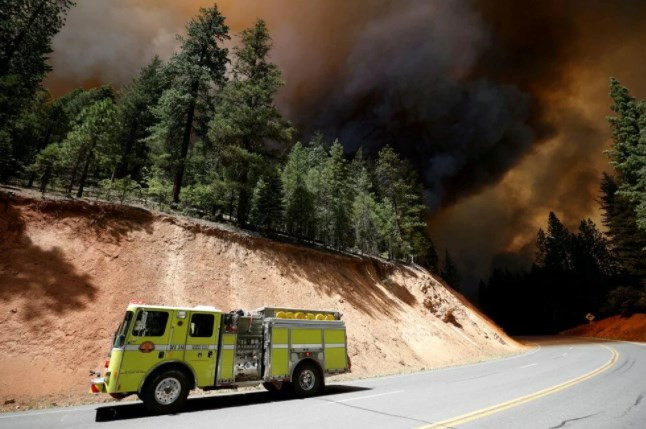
{"x":336,"y":185}
{"x":364,"y":211}
{"x":245,"y":116}
{"x":31,"y":131}
{"x":628,"y":152}
{"x":558,"y":241}
{"x":26,"y":31}
{"x":397,"y":187}
{"x":136,"y":117}
{"x":267,"y":202}
{"x":91,"y":143}
{"x":195,"y":72}
{"x":626,"y":239}
{"x":317,"y":153}
{"x":298,"y":199}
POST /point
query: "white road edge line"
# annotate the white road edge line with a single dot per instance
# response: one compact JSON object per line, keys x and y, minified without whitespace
{"x":358,"y":398}
{"x":40,"y":413}
{"x":527,"y":366}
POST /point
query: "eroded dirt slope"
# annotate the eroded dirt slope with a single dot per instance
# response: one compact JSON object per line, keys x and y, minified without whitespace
{"x":69,"y":268}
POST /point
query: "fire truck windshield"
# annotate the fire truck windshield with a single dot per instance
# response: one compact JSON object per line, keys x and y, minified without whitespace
{"x":120,"y":334}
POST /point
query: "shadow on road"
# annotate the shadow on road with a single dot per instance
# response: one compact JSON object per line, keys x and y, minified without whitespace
{"x":137,"y":410}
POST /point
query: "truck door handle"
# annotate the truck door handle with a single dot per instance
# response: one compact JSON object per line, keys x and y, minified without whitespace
{"x":210,"y":354}
{"x":161,"y":355}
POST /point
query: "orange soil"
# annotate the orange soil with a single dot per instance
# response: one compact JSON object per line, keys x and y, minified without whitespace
{"x":69,"y":268}
{"x":632,"y":328}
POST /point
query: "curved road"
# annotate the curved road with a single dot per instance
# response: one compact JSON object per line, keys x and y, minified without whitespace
{"x":563,"y":383}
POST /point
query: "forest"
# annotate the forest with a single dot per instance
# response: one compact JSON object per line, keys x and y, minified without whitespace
{"x":200,"y":134}
{"x":586,"y":271}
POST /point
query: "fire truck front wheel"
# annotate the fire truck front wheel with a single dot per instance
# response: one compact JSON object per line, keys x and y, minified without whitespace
{"x":166,"y":392}
{"x":306,"y":380}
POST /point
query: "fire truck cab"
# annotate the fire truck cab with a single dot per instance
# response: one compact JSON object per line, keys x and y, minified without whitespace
{"x":160,"y":353}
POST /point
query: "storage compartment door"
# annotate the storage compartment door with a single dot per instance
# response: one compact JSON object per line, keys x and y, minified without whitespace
{"x":227,"y":359}
{"x":279,"y":353}
{"x":335,"y":350}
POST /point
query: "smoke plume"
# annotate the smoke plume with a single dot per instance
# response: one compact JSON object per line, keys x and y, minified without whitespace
{"x":499,"y":105}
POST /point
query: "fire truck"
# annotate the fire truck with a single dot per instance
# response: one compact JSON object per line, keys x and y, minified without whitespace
{"x":160,"y":353}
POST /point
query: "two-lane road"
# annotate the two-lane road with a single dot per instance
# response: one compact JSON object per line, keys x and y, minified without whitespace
{"x":564,"y":383}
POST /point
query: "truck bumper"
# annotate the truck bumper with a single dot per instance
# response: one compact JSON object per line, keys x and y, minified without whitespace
{"x":97,"y":385}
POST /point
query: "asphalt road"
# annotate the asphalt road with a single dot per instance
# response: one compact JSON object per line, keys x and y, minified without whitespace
{"x":564,"y":383}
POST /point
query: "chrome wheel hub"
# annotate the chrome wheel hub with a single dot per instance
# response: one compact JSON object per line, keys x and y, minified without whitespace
{"x":167,"y":391}
{"x":307,"y":379}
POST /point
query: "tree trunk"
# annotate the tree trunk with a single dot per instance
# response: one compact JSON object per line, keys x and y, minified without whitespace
{"x":30,"y":183}
{"x":123,"y":164}
{"x":79,"y":194}
{"x":44,"y":180}
{"x":74,"y":170}
{"x":90,"y":153}
{"x":243,"y":197}
{"x":186,"y":140}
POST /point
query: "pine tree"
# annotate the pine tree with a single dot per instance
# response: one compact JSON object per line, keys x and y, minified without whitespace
{"x":628,"y":152}
{"x":541,"y":249}
{"x":450,"y":272}
{"x":26,"y":31}
{"x":397,"y":186}
{"x":195,"y":73}
{"x":317,"y":153}
{"x":267,"y":202}
{"x":558,"y":242}
{"x":47,"y":165}
{"x":91,"y":143}
{"x":626,"y":239}
{"x":298,"y":199}
{"x":136,"y":117}
{"x":364,"y":211}
{"x":336,"y":186}
{"x":31,"y":132}
{"x":245,"y":116}
{"x":625,"y":152}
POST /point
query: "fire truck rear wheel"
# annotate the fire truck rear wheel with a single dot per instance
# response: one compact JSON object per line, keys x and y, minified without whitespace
{"x":306,"y":380}
{"x":166,"y":392}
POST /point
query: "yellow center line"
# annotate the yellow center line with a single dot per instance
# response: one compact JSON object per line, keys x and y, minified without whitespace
{"x":484,"y":412}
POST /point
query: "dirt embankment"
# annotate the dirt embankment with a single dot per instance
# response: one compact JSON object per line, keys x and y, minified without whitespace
{"x":69,"y":268}
{"x":631,"y":328}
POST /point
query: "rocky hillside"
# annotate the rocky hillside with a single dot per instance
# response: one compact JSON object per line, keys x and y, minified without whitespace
{"x":69,"y":268}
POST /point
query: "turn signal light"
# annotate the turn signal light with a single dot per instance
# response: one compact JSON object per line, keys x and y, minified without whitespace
{"x":107,"y":364}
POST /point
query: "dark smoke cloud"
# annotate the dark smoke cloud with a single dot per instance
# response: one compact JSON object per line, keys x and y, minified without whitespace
{"x":406,"y":83}
{"x":499,"y":104}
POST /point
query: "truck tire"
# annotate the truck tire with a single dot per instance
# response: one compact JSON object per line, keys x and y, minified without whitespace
{"x":306,"y":380}
{"x":166,"y":392}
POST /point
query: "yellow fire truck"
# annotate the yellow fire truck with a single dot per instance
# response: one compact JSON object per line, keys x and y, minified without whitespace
{"x":160,"y":352}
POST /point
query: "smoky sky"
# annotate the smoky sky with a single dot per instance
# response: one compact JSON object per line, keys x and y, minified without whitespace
{"x":499,"y":105}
